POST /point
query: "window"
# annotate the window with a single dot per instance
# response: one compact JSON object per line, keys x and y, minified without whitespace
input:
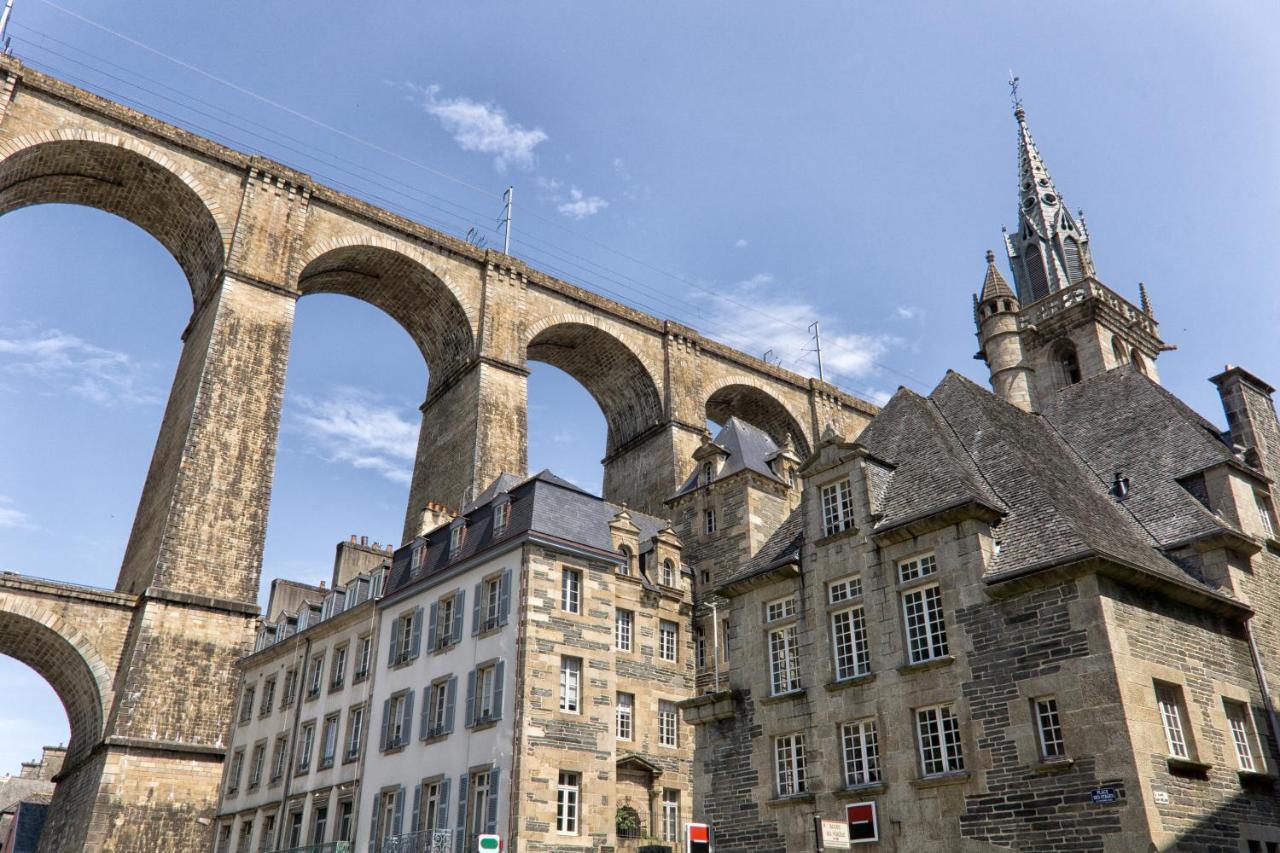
{"x":784,"y":661}
{"x":709,"y":521}
{"x":433,"y":812}
{"x":224,"y":839}
{"x":724,"y":640}
{"x":329,"y":741}
{"x":233,"y":774}
{"x":837,"y":507}
{"x":457,"y":535}
{"x":668,"y":730}
{"x":268,"y":696}
{"x":290,"y":688}
{"x":492,"y":596}
{"x":447,"y":613}
{"x":668,"y":639}
{"x":397,"y":720}
{"x":355,"y":731}
{"x":700,"y":647}
{"x":362,"y":660}
{"x":482,"y":792}
{"x":279,"y":754}
{"x":246,"y":836}
{"x":1169,"y":703}
{"x":256,"y":765}
{"x":1241,"y":735}
{"x":305,"y":746}
{"x":419,"y":557}
{"x":570,"y":684}
{"x":319,"y":823}
{"x":567,"y":794}
{"x":571,"y":591}
{"x":670,"y":814}
{"x":919,"y":567}
{"x":623,"y":627}
{"x":926,"y":629}
{"x":317,"y":676}
{"x":708,"y":472}
{"x":1049,"y":726}
{"x":1266,"y":514}
{"x":246,"y":704}
{"x":788,"y":757}
{"x":624,"y":568}
{"x":441,"y":697}
{"x":625,"y":716}
{"x":501,"y":515}
{"x":338,"y":672}
{"x":346,"y":820}
{"x":861,"y":753}
{"x":295,"y":826}
{"x":1068,"y":364}
{"x":938,"y":731}
{"x":266,"y":839}
{"x":844,"y":589}
{"x":782,"y":608}
{"x":389,"y":814}
{"x":849,"y":643}
{"x":486,"y":693}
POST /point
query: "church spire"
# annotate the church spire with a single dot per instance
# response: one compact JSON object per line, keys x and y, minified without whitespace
{"x":1049,"y":251}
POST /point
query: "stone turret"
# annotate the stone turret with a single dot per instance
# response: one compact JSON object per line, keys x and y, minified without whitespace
{"x":996,"y":312}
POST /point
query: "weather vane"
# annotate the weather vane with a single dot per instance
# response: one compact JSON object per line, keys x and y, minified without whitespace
{"x":1013,"y":91}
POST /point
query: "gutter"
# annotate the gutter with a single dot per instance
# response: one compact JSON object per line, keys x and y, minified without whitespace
{"x":282,"y":813}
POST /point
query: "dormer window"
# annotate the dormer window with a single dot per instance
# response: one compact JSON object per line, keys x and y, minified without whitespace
{"x":668,"y":573}
{"x":457,"y":535}
{"x":501,"y":515}
{"x":625,"y":568}
{"x":419,"y":556}
{"x":708,"y":471}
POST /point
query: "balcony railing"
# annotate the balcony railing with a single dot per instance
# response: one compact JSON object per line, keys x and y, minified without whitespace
{"x":427,"y":841}
{"x":328,"y":847}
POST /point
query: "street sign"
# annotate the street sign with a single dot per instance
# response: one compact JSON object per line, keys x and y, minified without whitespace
{"x":863,"y":827}
{"x":1103,"y":796}
{"x":489,"y":844}
{"x":833,"y":834}
{"x":697,"y":838}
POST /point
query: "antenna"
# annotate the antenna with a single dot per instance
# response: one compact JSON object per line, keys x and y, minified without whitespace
{"x":4,"y":24}
{"x":505,"y":220}
{"x":817,"y":347}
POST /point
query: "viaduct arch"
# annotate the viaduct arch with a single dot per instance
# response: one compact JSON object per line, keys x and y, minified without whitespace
{"x":145,"y":671}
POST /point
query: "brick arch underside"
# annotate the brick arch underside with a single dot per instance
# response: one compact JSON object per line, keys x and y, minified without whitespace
{"x":62,"y":664}
{"x":124,"y":183}
{"x":760,"y":409}
{"x":408,"y":292}
{"x":612,"y":374}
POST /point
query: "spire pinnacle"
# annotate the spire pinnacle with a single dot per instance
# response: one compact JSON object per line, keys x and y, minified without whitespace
{"x":1142,"y":296}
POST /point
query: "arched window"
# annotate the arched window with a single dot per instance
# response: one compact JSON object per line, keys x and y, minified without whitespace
{"x":1138,"y":361}
{"x":1068,"y":364}
{"x":625,"y":551}
{"x":668,"y":573}
{"x":1118,"y":350}
{"x":1071,"y":251}
{"x":1037,"y":278}
{"x":707,"y":471}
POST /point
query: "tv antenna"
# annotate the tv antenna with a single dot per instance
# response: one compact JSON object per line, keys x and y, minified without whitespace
{"x":817,"y":347}
{"x":504,"y":221}
{"x":4,"y":24}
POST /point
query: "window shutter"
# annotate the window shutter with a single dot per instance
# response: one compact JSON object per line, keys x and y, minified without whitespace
{"x":469,"y":712}
{"x":415,"y":641}
{"x":398,"y":821}
{"x":392,"y":649}
{"x":406,"y":735}
{"x":504,"y":597}
{"x":459,"y":608}
{"x":450,"y":699}
{"x":373,"y":824}
{"x":498,"y":672}
{"x":491,"y":820}
{"x":476,"y":616}
{"x":424,"y":725}
{"x":432,"y":645}
{"x":417,"y":807}
{"x":386,"y":723}
{"x":442,"y":813}
{"x":460,"y":837}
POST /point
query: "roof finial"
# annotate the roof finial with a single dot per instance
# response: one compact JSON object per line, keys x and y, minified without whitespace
{"x":1013,"y":96}
{"x":991,"y":256}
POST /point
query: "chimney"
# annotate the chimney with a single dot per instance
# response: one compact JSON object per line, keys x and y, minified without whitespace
{"x":364,"y":540}
{"x":1251,"y":417}
{"x":353,"y":539}
{"x":434,"y":515}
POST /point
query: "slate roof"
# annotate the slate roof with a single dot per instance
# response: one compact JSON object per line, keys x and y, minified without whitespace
{"x":749,"y":448}
{"x":542,"y":503}
{"x":993,"y":285}
{"x":1122,"y":421}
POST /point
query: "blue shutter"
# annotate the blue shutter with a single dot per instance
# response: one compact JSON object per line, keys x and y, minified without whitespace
{"x":459,"y":608}
{"x":386,"y":722}
{"x":498,"y":672}
{"x":477,"y":618}
{"x":398,"y":821}
{"x":504,"y":597}
{"x":417,"y":807}
{"x":406,"y":736}
{"x":415,"y":641}
{"x":424,"y":725}
{"x":491,"y":819}
{"x":432,"y":645}
{"x":469,"y":712}
{"x":442,"y":813}
{"x":392,"y":649}
{"x":460,"y":837}
{"x":373,"y":822}
{"x":450,"y":699}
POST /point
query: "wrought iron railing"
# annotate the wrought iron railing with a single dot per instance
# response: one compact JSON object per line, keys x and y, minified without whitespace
{"x":328,"y":847}
{"x":426,"y":841}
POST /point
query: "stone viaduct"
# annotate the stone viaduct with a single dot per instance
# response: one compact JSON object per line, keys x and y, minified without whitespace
{"x":146,"y":671}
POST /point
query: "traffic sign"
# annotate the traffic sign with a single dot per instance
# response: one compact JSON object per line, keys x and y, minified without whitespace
{"x":863,"y":827}
{"x":698,"y":838}
{"x":489,"y":844}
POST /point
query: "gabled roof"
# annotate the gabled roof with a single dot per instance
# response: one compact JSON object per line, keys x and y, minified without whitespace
{"x":748,"y":448}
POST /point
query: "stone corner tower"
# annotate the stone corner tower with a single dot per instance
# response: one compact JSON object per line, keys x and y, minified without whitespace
{"x":1059,"y":324}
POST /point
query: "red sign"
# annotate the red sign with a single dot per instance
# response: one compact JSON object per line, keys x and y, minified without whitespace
{"x":862,"y":822}
{"x":697,"y":838}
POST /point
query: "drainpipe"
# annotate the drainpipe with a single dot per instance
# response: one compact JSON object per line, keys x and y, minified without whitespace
{"x":1262,"y":682}
{"x":715,"y":633}
{"x":293,"y":741}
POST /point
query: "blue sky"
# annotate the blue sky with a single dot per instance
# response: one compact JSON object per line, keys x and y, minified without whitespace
{"x":844,"y":161}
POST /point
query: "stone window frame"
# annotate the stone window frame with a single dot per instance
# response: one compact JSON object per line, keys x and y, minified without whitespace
{"x":354,"y":738}
{"x":950,"y":748}
{"x":268,"y":700}
{"x":668,"y":734}
{"x":567,"y":670}
{"x":257,"y":764}
{"x":279,"y":759}
{"x":1242,"y":734}
{"x":494,"y":669}
{"x":247,"y":695}
{"x":1174,"y":720}
{"x":338,"y":667}
{"x":670,"y":574}
{"x":290,"y":694}
{"x":334,"y":719}
{"x":618,"y":622}
{"x":569,"y":799}
{"x":439,"y":699}
{"x":627,"y":711}
{"x":571,"y":590}
{"x":786,"y":608}
{"x":318,"y":801}
{"x":306,"y":745}
{"x":784,"y":659}
{"x":1266,"y":513}
{"x":347,"y":800}
{"x":663,"y":645}
{"x":924,"y":623}
{"x":398,"y":711}
{"x":364,"y":662}
{"x":501,"y":516}
{"x":266,"y":831}
{"x":699,"y":647}
{"x":790,"y":765}
{"x":1051,"y":739}
{"x":864,"y":750}
{"x":709,"y":526}
{"x":234,"y":771}
{"x":423,"y":803}
{"x":835,"y":500}
{"x":315,"y":675}
{"x":246,"y":834}
{"x":670,"y":817}
{"x":854,"y":608}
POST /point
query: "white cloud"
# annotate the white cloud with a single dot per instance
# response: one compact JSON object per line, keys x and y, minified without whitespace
{"x":354,"y":428}
{"x":581,"y":206}
{"x":63,"y":361}
{"x":908,"y":312}
{"x":741,"y":243}
{"x":620,"y":168}
{"x":757,"y":315}
{"x":11,"y":516}
{"x":481,"y":127}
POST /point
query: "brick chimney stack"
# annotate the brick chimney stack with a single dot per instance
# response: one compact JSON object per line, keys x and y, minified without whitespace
{"x":434,"y":515}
